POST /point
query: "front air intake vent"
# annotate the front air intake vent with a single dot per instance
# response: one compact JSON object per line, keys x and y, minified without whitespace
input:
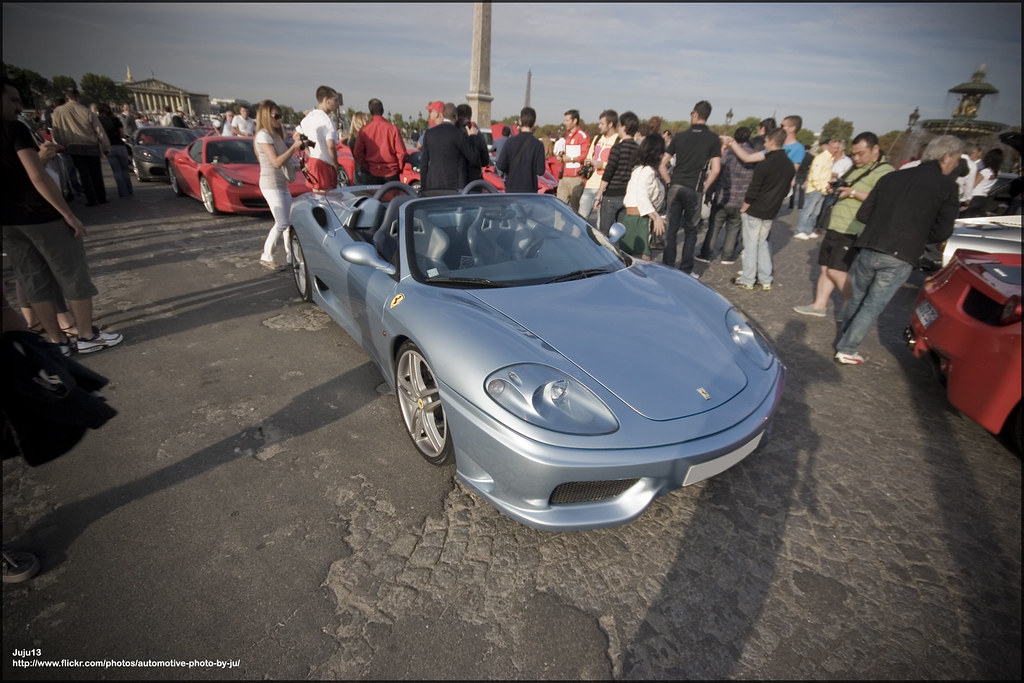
{"x":589,"y":491}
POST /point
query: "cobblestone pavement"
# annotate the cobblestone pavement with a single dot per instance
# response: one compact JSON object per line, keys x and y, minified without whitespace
{"x":256,"y":502}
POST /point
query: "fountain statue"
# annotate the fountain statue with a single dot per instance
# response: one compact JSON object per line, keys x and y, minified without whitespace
{"x":964,"y":122}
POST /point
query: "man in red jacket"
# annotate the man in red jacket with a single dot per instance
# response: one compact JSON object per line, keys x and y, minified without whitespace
{"x":380,"y":148}
{"x":577,"y":144}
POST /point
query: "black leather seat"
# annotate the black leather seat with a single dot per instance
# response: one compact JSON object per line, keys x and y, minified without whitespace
{"x":385,"y":238}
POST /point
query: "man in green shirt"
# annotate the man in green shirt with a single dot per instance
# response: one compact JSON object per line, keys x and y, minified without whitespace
{"x":837,"y":250}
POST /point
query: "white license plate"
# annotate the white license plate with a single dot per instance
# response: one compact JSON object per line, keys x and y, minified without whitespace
{"x":926,"y":313}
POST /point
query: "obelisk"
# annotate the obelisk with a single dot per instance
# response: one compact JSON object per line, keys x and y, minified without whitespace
{"x":479,"y":96}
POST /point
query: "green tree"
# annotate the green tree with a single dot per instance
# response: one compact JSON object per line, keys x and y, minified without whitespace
{"x":102,"y":90}
{"x":837,"y":128}
{"x":33,"y":88}
{"x":289,"y":115}
{"x":805,"y":137}
{"x":62,"y":83}
{"x":751,"y":122}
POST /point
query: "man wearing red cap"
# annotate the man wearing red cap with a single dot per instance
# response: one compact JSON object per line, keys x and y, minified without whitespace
{"x":434,"y":117}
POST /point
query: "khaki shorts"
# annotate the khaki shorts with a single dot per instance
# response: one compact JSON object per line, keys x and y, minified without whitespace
{"x":47,"y":258}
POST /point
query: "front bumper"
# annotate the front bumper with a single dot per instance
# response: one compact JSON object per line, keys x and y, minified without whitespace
{"x":525,"y":479}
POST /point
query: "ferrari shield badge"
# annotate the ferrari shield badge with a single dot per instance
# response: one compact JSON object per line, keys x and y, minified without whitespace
{"x":397,"y":300}
{"x":704,"y":393}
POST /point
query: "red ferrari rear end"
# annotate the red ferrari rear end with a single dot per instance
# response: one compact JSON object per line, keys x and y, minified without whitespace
{"x":968,"y":321}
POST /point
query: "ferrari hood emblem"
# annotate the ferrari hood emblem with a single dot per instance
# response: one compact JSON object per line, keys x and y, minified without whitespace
{"x":704,"y":393}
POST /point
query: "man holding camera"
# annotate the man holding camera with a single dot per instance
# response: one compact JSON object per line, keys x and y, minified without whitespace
{"x":837,"y":246}
{"x":322,"y":167}
{"x":577,"y":144}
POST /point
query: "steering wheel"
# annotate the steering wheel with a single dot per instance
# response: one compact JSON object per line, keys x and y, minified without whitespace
{"x":394,"y":185}
{"x":479,"y":184}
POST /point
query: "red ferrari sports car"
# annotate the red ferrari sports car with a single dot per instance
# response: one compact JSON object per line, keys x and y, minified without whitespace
{"x":223,"y":173}
{"x":967,"y":320}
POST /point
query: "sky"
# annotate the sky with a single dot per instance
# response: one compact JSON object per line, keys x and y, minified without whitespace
{"x":869,"y":63}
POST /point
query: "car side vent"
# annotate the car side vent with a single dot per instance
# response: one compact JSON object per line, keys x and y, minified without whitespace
{"x":589,"y":491}
{"x":320,"y":216}
{"x":982,"y":308}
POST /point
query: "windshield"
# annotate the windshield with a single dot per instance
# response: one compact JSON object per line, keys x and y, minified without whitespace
{"x":499,"y":240}
{"x":172,"y":137}
{"x":231,"y":152}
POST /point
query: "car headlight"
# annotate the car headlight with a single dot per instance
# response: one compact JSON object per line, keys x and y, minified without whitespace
{"x":230,"y":178}
{"x":749,"y":339}
{"x":146,"y":154}
{"x":551,"y":399}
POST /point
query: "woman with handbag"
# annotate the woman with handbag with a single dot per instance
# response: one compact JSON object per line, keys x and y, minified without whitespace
{"x":277,"y":169}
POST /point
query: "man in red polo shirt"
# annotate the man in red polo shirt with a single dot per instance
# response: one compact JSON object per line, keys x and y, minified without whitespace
{"x":380,"y":148}
{"x":577,"y":144}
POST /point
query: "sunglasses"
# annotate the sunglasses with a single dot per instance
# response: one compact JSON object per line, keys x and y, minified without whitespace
{"x":276,"y":116}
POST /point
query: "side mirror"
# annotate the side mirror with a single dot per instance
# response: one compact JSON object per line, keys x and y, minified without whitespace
{"x":363,"y":254}
{"x":616,"y":232}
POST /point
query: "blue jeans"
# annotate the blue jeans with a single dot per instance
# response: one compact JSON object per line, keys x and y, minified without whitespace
{"x":683,"y":206}
{"x":874,"y":280}
{"x":727,"y":217}
{"x":587,"y":204}
{"x":612,"y":211}
{"x":122,"y":168}
{"x":757,"y":255}
{"x":809,"y":214}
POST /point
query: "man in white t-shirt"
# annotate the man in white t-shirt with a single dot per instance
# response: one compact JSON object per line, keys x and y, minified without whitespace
{"x":228,"y":117}
{"x":319,"y":128}
{"x":242,"y":124}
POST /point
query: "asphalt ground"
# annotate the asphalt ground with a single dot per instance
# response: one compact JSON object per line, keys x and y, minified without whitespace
{"x":256,"y":510}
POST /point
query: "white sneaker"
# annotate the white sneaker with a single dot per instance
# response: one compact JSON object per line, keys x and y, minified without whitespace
{"x":849,"y":358}
{"x":100,"y":340}
{"x":802,"y":236}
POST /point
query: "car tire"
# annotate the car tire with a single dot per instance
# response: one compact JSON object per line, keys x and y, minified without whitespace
{"x":419,"y":402}
{"x":174,"y":181}
{"x":343,"y":179}
{"x":300,"y":272}
{"x":207,"y":194}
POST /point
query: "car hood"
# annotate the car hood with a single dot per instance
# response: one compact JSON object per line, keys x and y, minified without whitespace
{"x":249,"y":173}
{"x":635,"y":335}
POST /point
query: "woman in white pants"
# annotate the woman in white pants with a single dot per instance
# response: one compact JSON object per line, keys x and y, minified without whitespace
{"x":277,"y":169}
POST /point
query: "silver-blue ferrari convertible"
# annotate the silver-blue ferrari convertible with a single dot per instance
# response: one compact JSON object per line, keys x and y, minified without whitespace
{"x":569,"y":383}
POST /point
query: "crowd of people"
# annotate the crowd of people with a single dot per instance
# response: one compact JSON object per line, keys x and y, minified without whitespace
{"x":662,"y":187}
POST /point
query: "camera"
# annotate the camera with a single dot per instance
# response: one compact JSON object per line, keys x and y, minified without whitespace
{"x":586,"y":170}
{"x":306,"y":142}
{"x":837,"y":185}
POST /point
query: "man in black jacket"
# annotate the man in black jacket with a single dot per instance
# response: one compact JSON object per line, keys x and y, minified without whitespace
{"x":768,"y":188}
{"x":446,"y":156}
{"x":521,"y":159}
{"x":906,"y":210}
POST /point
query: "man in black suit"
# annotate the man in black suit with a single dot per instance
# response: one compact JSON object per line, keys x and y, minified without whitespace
{"x":447,"y":153}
